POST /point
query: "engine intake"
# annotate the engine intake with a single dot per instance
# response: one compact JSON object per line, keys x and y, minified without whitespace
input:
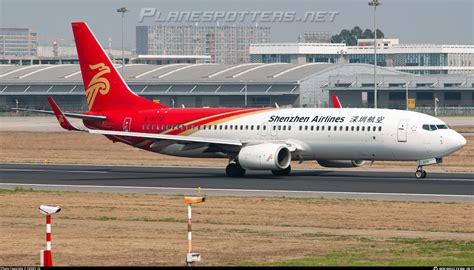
{"x":267,"y":156}
{"x":341,"y":163}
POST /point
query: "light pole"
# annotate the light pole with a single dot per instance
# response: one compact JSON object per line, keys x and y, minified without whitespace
{"x":122,"y":10}
{"x":245,"y":95}
{"x":375,"y":3}
{"x":406,"y":95}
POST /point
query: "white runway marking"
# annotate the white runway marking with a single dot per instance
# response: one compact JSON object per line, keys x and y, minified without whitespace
{"x":245,"y":190}
{"x":50,"y":170}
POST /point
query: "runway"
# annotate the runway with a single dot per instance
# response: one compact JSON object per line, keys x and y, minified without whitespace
{"x":212,"y":181}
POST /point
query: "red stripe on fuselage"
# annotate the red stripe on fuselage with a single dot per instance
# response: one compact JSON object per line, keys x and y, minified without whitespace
{"x":212,"y":118}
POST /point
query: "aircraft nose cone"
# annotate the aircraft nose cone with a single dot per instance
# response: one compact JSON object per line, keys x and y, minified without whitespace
{"x":458,"y":141}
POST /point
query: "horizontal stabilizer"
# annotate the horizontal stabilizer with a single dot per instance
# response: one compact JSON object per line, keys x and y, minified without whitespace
{"x":72,"y":115}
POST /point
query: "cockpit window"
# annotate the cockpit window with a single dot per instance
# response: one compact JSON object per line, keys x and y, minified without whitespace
{"x":434,"y":127}
{"x":442,"y":126}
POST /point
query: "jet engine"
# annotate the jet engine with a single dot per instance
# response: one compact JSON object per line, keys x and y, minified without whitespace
{"x":267,"y":156}
{"x":341,"y":163}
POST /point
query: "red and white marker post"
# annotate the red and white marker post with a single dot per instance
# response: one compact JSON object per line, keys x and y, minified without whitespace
{"x":46,"y":258}
{"x":190,"y":256}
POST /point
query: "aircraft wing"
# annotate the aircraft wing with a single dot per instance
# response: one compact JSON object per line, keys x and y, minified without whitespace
{"x":175,"y":138}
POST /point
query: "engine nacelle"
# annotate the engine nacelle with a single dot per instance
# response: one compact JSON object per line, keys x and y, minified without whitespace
{"x":266,"y":156}
{"x":341,"y":163}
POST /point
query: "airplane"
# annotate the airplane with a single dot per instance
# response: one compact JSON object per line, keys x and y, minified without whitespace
{"x":251,"y":138}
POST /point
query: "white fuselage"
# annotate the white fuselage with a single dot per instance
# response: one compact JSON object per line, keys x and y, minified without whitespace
{"x":332,"y":134}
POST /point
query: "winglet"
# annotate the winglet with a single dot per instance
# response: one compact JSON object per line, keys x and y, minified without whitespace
{"x":61,"y":117}
{"x":335,"y":102}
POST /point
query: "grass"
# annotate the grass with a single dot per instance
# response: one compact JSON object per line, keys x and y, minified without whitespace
{"x":19,"y":190}
{"x":394,"y":252}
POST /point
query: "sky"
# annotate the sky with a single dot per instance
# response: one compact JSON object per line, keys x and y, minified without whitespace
{"x":412,"y":21}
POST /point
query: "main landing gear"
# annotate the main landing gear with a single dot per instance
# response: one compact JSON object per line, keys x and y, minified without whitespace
{"x":420,"y":173}
{"x":283,"y":172}
{"x":234,"y":170}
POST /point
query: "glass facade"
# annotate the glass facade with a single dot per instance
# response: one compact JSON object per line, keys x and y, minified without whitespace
{"x":323,"y":58}
{"x":420,"y":59}
{"x":368,"y":59}
{"x":275,"y":58}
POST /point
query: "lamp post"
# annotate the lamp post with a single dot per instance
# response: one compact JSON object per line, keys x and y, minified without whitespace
{"x":406,"y":95}
{"x":122,"y":10}
{"x":375,"y":3}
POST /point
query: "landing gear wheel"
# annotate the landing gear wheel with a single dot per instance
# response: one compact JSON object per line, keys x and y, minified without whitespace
{"x":234,"y":170}
{"x":283,"y":172}
{"x":420,"y":173}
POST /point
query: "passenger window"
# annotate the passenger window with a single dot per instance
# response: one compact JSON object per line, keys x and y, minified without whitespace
{"x":357,"y":128}
{"x":289,"y":128}
{"x":274,"y":127}
{"x":312,"y":128}
{"x":241,"y":127}
{"x":225,"y":127}
{"x":352,"y":128}
{"x":251,"y":127}
{"x":143,"y":126}
{"x":264,"y":127}
{"x":363,"y":128}
{"x":246,"y":127}
{"x":347,"y":128}
{"x":301,"y":127}
{"x":380,"y":128}
{"x":340,"y":128}
{"x":317,"y":128}
{"x":258,"y":127}
{"x":322,"y":128}
{"x":284,"y":127}
{"x":329,"y":128}
{"x":220,"y":127}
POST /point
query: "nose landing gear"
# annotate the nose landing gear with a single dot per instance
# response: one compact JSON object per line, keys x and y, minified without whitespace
{"x":420,"y":173}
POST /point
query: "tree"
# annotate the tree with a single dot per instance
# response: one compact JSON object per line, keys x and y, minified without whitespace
{"x":349,"y":37}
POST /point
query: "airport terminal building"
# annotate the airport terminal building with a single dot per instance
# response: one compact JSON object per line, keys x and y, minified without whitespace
{"x":254,"y":84}
{"x":410,"y":58}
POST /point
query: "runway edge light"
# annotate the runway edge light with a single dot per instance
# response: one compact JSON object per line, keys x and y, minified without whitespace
{"x":190,"y":256}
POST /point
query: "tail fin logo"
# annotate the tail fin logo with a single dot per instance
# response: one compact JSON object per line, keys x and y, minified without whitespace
{"x":97,"y":84}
